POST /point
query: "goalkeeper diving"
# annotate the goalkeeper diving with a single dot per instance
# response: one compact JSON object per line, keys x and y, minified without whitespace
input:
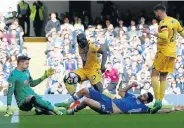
{"x":102,"y":104}
{"x":20,"y":83}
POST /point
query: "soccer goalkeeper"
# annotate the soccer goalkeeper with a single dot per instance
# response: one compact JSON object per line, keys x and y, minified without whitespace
{"x":20,"y":83}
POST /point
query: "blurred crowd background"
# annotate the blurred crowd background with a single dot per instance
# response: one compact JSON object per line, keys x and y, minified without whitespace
{"x":130,"y":52}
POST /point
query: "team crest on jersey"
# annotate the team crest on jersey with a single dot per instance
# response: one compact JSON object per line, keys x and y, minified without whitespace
{"x":26,"y":82}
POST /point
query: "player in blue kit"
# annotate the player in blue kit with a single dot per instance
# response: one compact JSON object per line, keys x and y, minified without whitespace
{"x":127,"y":104}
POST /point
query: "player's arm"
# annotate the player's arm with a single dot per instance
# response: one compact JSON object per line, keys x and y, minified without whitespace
{"x":163,"y":34}
{"x":104,"y":58}
{"x":34,"y":83}
{"x":123,"y":91}
{"x":180,"y":29}
{"x":47,"y":73}
{"x":165,"y":110}
{"x":10,"y":93}
{"x":11,"y":89}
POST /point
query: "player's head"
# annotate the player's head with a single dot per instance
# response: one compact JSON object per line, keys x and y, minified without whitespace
{"x":159,"y":11}
{"x":23,"y":62}
{"x":82,"y":41}
{"x":146,"y":98}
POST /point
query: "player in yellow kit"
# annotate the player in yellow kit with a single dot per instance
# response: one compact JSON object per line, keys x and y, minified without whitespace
{"x":91,"y":66}
{"x":166,"y":52}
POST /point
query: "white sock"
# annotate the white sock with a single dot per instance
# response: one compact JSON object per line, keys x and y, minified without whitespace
{"x":72,"y":99}
{"x":75,"y":96}
{"x":69,"y":100}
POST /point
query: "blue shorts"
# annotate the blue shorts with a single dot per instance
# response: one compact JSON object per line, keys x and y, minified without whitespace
{"x":105,"y":102}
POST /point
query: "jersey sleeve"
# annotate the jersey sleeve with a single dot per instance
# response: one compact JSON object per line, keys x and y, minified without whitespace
{"x":11,"y":81}
{"x":128,"y":95}
{"x":163,"y":27}
{"x":33,"y":83}
{"x":163,"y":34}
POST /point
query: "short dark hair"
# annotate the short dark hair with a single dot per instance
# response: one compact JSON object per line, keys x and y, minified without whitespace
{"x":159,"y":7}
{"x":22,"y":58}
{"x":150,"y":97}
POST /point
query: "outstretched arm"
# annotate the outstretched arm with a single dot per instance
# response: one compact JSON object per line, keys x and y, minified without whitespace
{"x":123,"y":91}
{"x":47,"y":73}
{"x":163,"y":34}
{"x":167,"y":110}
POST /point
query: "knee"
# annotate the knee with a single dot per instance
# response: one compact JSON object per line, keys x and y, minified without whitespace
{"x":84,"y":91}
{"x":86,"y":101}
{"x":154,"y":73}
{"x":163,"y":76}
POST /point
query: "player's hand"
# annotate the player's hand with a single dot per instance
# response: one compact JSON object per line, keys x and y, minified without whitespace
{"x":8,"y":112}
{"x":49,"y":72}
{"x":178,"y":108}
{"x":134,"y":83}
{"x":145,"y":30}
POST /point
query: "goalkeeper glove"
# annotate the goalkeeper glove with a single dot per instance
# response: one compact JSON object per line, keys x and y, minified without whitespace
{"x":8,"y":111}
{"x":47,"y":73}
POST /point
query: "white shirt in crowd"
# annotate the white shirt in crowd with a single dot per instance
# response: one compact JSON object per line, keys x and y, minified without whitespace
{"x":171,"y":90}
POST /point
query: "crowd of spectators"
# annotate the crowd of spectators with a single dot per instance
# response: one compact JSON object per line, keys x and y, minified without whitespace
{"x":130,"y":51}
{"x":11,"y":46}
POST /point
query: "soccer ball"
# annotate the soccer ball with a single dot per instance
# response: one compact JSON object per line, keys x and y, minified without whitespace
{"x":71,"y":78}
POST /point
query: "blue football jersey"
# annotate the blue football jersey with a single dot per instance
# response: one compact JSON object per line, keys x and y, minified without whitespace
{"x":130,"y":104}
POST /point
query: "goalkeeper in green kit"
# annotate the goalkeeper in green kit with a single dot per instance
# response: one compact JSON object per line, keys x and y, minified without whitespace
{"x":20,"y":83}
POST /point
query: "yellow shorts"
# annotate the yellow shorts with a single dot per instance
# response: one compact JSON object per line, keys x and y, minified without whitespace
{"x":164,"y":63}
{"x":93,"y":75}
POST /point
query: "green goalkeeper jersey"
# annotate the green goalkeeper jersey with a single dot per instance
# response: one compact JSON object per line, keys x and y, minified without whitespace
{"x":20,"y":83}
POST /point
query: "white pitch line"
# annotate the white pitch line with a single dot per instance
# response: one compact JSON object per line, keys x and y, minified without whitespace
{"x":15,"y":117}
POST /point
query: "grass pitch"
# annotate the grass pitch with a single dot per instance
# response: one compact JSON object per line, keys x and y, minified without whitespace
{"x":89,"y":119}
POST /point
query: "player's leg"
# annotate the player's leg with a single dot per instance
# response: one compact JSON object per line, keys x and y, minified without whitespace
{"x":45,"y":106}
{"x":163,"y":77}
{"x":158,"y":67}
{"x":96,"y":101}
{"x":94,"y":105}
{"x":70,"y":83}
{"x":27,"y":103}
{"x":95,"y":78}
{"x":169,"y":68}
{"x":41,"y":111}
{"x":71,"y":87}
{"x":76,"y":96}
{"x":155,"y":85}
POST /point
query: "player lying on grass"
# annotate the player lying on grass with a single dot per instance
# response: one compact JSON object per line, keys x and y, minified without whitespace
{"x":20,"y":83}
{"x":127,"y":104}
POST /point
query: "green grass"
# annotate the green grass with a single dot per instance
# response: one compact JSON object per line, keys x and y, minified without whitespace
{"x":90,"y":119}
